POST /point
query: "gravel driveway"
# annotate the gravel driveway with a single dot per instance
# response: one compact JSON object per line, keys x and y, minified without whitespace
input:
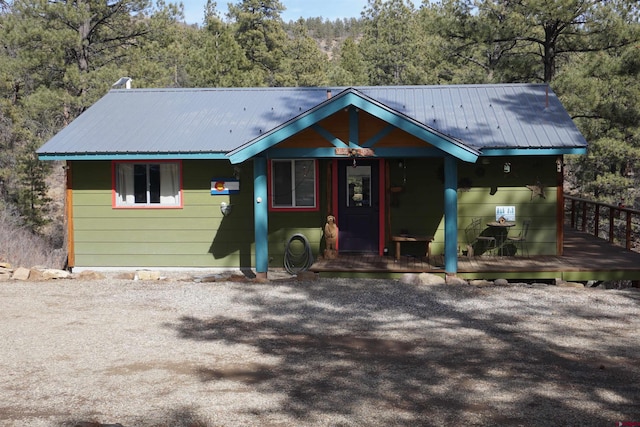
{"x":331,"y":352}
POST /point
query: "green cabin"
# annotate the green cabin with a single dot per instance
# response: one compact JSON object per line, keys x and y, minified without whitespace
{"x":208,"y":178}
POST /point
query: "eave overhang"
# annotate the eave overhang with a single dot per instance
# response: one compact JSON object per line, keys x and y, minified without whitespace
{"x":133,"y":156}
{"x":498,"y":152}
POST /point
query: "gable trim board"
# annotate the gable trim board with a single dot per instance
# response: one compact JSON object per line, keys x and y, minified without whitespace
{"x":456,"y":124}
{"x":352,"y":100}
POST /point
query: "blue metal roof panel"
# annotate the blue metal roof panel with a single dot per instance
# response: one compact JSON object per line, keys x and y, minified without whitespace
{"x":180,"y":120}
{"x":221,"y":120}
{"x":488,"y":116}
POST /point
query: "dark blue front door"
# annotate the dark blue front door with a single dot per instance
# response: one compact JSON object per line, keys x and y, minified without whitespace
{"x":358,"y":205}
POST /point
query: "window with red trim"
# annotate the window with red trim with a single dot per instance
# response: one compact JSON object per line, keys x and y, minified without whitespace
{"x":294,"y":184}
{"x":147,"y":184}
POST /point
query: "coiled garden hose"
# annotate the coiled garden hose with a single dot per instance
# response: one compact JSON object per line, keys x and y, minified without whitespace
{"x":295,"y":262}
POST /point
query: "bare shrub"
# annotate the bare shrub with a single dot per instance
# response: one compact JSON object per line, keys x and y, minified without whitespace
{"x":19,"y":246}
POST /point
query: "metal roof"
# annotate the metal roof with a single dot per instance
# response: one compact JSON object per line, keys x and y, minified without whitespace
{"x":210,"y":121}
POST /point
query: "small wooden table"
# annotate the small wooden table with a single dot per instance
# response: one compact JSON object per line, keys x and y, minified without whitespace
{"x":407,"y":238}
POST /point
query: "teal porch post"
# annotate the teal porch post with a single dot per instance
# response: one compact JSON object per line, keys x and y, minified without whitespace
{"x":450,"y":215}
{"x":261,"y":215}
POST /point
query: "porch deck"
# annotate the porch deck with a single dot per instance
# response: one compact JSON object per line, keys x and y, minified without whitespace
{"x":585,"y":258}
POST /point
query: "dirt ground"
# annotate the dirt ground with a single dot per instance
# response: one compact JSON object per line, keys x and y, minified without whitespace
{"x":329,"y":352}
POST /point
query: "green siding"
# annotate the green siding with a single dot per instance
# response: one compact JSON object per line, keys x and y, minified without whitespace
{"x":283,"y":225}
{"x":482,"y":188}
{"x":197,"y":235}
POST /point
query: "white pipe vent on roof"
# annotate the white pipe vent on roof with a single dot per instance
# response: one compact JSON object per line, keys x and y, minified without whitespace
{"x":122,"y":82}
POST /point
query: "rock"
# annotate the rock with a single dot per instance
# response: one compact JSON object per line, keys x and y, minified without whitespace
{"x":91,"y":275}
{"x":306,"y":276}
{"x":456,"y":281}
{"x":5,"y":275}
{"x":211,"y":278}
{"x":147,"y":275}
{"x":501,"y":282}
{"x":424,"y":279}
{"x":569,"y":285}
{"x":429,"y":279}
{"x":5,"y":265}
{"x":126,"y":276}
{"x":36,"y":276}
{"x":52,"y":273}
{"x":480,"y":283}
{"x":21,"y":273}
{"x":409,"y":279}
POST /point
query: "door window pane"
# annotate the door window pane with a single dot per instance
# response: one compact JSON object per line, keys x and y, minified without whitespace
{"x":358,"y":186}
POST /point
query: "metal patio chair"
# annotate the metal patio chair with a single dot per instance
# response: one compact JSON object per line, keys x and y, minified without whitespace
{"x":520,"y":241}
{"x":476,"y":241}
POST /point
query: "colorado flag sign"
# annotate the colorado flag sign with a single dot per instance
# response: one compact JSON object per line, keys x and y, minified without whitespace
{"x":221,"y":186}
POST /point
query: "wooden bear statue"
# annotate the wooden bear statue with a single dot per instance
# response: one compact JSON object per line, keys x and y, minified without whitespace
{"x":331,"y":238}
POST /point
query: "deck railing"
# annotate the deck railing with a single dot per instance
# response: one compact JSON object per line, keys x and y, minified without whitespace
{"x":616,"y":223}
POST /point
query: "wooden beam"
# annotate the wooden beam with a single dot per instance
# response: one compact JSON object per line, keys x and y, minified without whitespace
{"x":559,"y":206}
{"x":68,"y":216}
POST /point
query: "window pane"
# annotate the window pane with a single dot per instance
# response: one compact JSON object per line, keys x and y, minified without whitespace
{"x":140,"y":183}
{"x":154,"y":183}
{"x":359,"y":186}
{"x":169,"y":184}
{"x":147,"y":183}
{"x":282,"y":191}
{"x":124,"y":184}
{"x":305,"y":183}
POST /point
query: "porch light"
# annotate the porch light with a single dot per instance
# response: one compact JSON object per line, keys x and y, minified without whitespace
{"x":506,"y":168}
{"x":226,"y":208}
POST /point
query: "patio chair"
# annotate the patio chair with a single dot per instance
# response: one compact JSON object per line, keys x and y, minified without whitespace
{"x":520,"y":241}
{"x":477,"y":243}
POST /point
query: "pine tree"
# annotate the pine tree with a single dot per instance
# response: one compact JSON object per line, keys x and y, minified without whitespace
{"x":259,"y":31}
{"x":304,"y":64}
{"x":389,"y":42}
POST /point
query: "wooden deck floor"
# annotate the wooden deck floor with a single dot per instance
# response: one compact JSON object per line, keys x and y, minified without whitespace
{"x":585,"y":258}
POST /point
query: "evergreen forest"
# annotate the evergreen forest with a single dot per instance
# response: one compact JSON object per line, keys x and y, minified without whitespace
{"x":59,"y":56}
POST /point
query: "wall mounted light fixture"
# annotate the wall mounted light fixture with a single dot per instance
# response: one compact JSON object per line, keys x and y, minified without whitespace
{"x":506,"y":168}
{"x":226,"y":208}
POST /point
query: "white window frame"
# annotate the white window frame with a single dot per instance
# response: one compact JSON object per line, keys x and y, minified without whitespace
{"x":295,"y":165}
{"x":162,"y":192}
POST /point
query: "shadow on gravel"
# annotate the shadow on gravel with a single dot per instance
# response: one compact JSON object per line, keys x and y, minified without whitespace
{"x":393,"y":354}
{"x":181,"y":417}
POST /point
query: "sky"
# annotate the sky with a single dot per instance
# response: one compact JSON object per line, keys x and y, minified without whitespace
{"x":329,"y":9}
